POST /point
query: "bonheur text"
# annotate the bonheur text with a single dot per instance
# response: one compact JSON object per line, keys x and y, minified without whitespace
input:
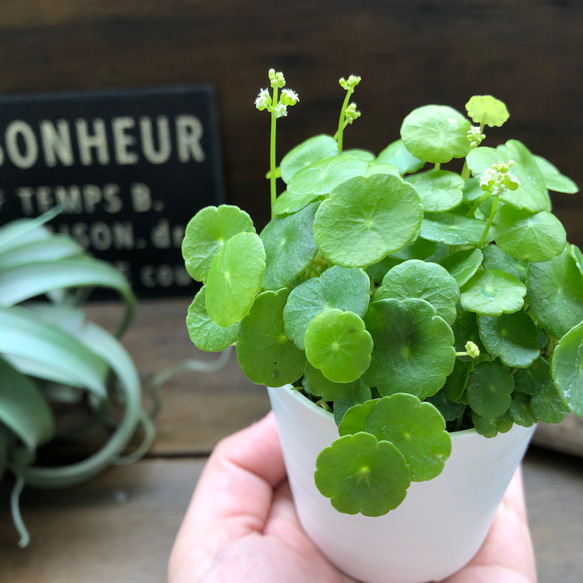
{"x":122,"y":140}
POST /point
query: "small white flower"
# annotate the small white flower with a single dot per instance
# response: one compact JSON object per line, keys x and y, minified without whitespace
{"x":289,"y":97}
{"x":498,"y":179}
{"x":475,"y":136}
{"x":280,"y":110}
{"x":263,"y":100}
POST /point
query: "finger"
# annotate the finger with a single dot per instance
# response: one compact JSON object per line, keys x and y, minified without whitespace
{"x":235,"y":491}
{"x":283,"y":517}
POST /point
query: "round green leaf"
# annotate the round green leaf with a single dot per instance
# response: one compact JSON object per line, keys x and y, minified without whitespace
{"x":555,"y":293}
{"x":360,"y":474}
{"x":366,"y":218}
{"x":529,"y":237}
{"x":320,"y":386}
{"x":567,"y":368}
{"x":234,"y":278}
{"x":323,"y":176}
{"x":495,"y":258}
{"x":456,"y":383}
{"x":577,"y":256}
{"x":207,"y":232}
{"x":461,"y":265}
{"x":307,"y":153}
{"x":338,"y":344}
{"x":288,"y":202}
{"x":436,"y":133}
{"x":360,"y":153}
{"x":553,"y":178}
{"x":397,"y":155}
{"x":338,"y":287}
{"x":438,"y":190}
{"x":487,"y":110}
{"x":537,"y":381}
{"x":493,"y":292}
{"x":453,"y":229}
{"x":449,"y":410}
{"x":289,"y":247}
{"x":531,"y":195}
{"x":206,"y":334}
{"x":511,"y":337}
{"x":427,"y":281}
{"x":465,"y":329}
{"x":378,"y":168}
{"x":416,"y":428}
{"x":354,"y":420}
{"x":489,"y":388}
{"x":520,"y":410}
{"x":413,"y":347}
{"x":489,"y":427}
{"x":266,"y":355}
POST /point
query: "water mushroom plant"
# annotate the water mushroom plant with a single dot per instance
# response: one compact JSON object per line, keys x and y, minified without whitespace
{"x":409,"y":300}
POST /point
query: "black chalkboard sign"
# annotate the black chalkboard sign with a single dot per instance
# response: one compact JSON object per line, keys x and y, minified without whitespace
{"x":128,"y":167}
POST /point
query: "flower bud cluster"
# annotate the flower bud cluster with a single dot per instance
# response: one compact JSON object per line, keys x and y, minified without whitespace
{"x":472,"y":349}
{"x":288,"y":96}
{"x":475,"y":136}
{"x":351,"y":113}
{"x":498,"y":179}
{"x":349,"y":85}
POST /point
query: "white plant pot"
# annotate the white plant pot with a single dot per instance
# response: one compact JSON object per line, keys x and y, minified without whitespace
{"x":436,"y":530}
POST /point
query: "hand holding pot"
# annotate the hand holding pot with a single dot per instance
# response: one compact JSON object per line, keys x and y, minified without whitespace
{"x":242,"y":526}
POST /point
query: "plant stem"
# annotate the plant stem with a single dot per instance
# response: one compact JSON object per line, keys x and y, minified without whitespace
{"x":272,"y":155}
{"x":476,"y":204}
{"x":437,"y":166}
{"x":490,"y":221}
{"x":466,"y":171}
{"x":341,"y":125}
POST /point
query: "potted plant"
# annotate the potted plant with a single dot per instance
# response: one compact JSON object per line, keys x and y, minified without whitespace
{"x":54,"y":360}
{"x":401,"y":314}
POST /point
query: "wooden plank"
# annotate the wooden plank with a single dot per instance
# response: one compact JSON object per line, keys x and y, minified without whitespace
{"x":566,"y":437}
{"x":120,"y":526}
{"x":554,"y":492}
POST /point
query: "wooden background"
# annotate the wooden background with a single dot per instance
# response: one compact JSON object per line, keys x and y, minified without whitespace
{"x":409,"y":53}
{"x":120,"y":526}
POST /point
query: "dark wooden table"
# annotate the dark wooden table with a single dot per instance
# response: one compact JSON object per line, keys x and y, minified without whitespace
{"x":120,"y":526}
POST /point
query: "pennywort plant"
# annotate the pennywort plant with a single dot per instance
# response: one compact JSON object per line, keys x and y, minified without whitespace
{"x":409,"y":300}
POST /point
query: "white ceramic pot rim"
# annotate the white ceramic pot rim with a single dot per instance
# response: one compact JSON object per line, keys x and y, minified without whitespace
{"x":297,"y":394}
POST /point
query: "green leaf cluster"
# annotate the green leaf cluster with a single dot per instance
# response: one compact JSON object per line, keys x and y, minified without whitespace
{"x":50,"y":353}
{"x":379,"y":279}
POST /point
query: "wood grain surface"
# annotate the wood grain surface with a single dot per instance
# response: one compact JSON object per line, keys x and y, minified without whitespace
{"x":120,"y":527}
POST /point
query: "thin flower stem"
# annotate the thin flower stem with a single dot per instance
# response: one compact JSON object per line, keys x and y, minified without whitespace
{"x":341,"y":125}
{"x":475,"y":205}
{"x":272,"y":153}
{"x":490,"y":221}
